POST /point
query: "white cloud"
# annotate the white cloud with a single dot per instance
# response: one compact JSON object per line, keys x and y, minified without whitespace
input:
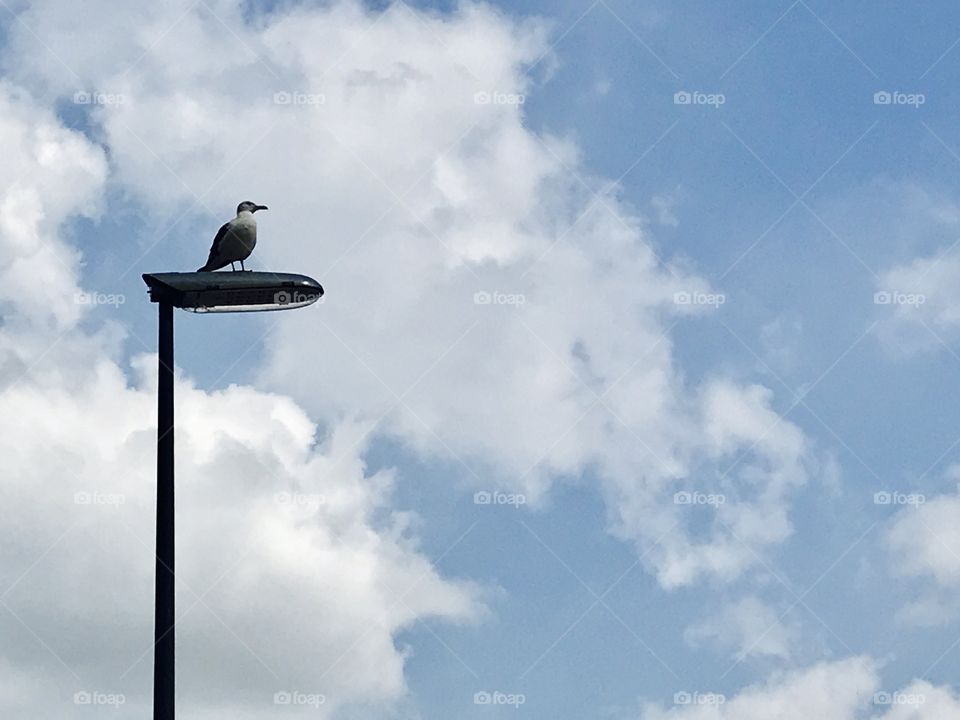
{"x":921,"y":700}
{"x":780,"y":340}
{"x":916,"y":227}
{"x":291,"y":562}
{"x":665,"y":206}
{"x":828,"y":690}
{"x":749,"y":627}
{"x":407,"y":193}
{"x":408,"y":182}
{"x":920,"y":302}
{"x":927,"y":539}
{"x":848,"y":689}
{"x":924,"y":545}
{"x":48,"y":172}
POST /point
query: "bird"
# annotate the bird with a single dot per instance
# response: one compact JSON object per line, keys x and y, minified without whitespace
{"x":235,"y":240}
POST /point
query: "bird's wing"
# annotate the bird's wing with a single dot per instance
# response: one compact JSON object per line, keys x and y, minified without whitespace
{"x":215,"y":248}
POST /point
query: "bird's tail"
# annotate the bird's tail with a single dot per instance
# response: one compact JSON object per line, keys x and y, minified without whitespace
{"x":203,"y":269}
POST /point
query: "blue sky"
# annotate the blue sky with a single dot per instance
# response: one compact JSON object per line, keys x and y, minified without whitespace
{"x":797,"y":199}
{"x":800,"y":99}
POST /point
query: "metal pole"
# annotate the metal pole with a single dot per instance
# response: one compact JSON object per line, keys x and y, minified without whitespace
{"x":163,"y":632}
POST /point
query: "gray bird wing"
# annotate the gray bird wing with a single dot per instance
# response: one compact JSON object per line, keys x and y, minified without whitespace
{"x":215,"y":249}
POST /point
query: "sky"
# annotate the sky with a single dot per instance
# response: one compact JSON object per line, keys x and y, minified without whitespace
{"x":632,"y":394}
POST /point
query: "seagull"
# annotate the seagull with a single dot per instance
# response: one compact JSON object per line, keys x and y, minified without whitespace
{"x":235,"y":240}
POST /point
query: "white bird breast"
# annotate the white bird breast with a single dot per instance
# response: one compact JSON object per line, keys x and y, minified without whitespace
{"x":241,"y":238}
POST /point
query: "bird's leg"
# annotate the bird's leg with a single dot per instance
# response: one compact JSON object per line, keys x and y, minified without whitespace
{"x":242,"y":267}
{"x":232,"y":268}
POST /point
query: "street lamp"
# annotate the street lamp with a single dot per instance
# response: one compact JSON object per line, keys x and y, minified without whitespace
{"x":200,"y":292}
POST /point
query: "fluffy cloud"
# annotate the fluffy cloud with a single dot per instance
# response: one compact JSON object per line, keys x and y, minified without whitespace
{"x":922,"y":300}
{"x":749,"y":627}
{"x":291,"y":562}
{"x":489,"y":301}
{"x":832,"y":691}
{"x":916,"y":298}
{"x":49,"y":172}
{"x":924,"y":545}
{"x":927,"y":539}
{"x":920,"y":700}
{"x":840,"y":690}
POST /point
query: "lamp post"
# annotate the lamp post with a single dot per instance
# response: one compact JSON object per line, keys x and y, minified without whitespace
{"x":200,"y":292}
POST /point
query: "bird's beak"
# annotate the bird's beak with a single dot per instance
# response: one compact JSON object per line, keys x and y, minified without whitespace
{"x":260,"y":207}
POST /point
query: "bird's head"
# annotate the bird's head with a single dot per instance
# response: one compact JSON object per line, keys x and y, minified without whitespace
{"x":251,"y":207}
